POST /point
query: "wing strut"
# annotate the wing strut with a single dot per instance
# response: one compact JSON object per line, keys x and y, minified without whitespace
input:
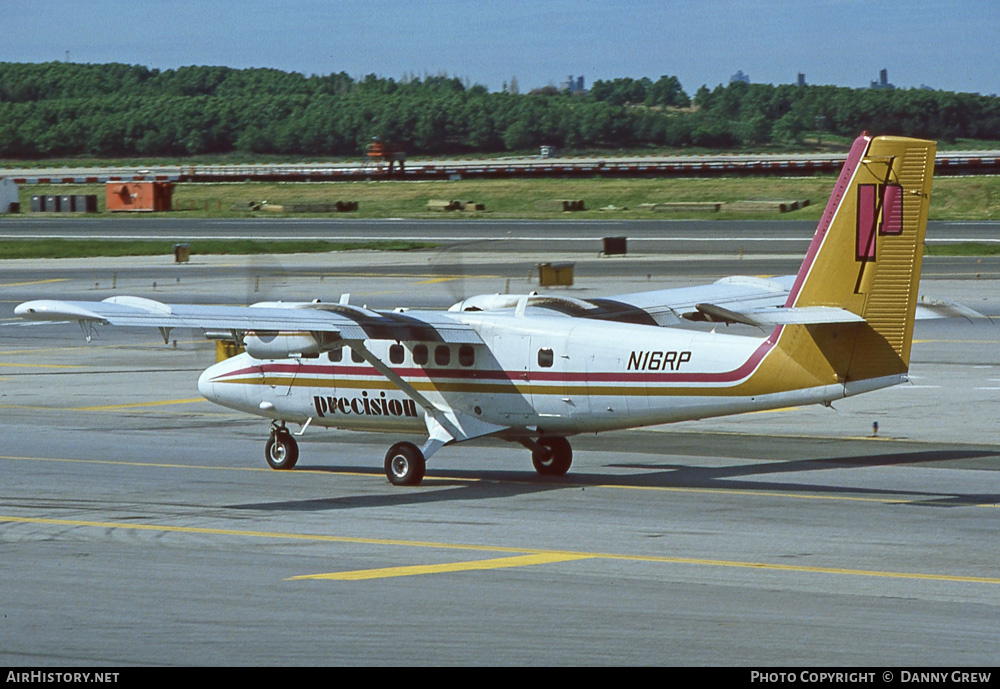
{"x":444,"y":424}
{"x":88,"y":329}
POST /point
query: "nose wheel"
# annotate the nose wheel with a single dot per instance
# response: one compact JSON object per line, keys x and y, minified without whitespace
{"x":281,"y":450}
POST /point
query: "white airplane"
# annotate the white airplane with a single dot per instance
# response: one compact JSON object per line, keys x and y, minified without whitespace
{"x":535,"y":369}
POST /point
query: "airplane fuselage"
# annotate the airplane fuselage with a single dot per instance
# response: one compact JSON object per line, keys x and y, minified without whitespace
{"x":546,"y":373}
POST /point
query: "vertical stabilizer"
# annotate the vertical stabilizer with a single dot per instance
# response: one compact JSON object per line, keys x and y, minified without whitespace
{"x":866,"y":256}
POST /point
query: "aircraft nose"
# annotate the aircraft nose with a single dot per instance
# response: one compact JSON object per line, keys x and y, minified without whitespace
{"x":219,"y":383}
{"x":205,"y":385}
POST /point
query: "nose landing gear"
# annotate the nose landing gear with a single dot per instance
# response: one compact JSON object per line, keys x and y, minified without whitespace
{"x":281,"y":450}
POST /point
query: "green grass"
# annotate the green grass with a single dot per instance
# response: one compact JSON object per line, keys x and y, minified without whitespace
{"x":954,"y":198}
{"x":522,"y":199}
{"x":962,"y":249}
{"x":72,"y":248}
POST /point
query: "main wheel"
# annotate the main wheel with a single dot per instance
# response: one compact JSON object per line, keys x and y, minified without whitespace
{"x":556,"y":460}
{"x":405,"y":464}
{"x":281,"y":451}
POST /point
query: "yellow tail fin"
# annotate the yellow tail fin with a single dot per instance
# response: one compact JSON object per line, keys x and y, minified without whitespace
{"x":865,"y":257}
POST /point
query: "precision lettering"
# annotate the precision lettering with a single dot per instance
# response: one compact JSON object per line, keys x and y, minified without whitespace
{"x":364,"y":406}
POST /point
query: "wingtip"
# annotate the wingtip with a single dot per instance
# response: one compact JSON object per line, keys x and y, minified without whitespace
{"x":52,"y":310}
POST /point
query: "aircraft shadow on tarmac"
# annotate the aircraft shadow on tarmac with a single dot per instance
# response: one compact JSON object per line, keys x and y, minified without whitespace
{"x":492,"y":485}
{"x":728,"y":478}
{"x":457,"y":486}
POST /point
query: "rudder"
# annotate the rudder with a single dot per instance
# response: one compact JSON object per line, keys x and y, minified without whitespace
{"x":866,"y":255}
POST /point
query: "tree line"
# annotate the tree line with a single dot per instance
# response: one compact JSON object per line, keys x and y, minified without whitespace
{"x":61,"y":109}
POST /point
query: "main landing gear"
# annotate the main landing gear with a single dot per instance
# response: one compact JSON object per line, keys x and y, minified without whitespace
{"x":552,"y":456}
{"x":281,"y":450}
{"x":405,"y":463}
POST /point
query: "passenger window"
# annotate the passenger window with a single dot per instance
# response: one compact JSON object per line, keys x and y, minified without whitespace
{"x":335,"y":354}
{"x":356,"y":357}
{"x":396,"y":354}
{"x":420,"y":355}
{"x":545,"y":357}
{"x":442,"y":355}
{"x":466,"y":355}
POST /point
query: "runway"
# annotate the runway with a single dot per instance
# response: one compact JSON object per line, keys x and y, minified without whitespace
{"x":140,"y":525}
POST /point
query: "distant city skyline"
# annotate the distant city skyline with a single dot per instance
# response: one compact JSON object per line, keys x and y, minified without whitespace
{"x":950,"y":45}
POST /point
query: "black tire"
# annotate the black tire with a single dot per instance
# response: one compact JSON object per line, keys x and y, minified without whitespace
{"x":558,"y":458}
{"x":281,"y":451}
{"x":405,"y":465}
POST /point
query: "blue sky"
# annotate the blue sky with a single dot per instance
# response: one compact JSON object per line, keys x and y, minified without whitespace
{"x":946,"y":44}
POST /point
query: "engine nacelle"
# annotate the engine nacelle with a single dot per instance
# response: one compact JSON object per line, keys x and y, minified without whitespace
{"x":488,"y":302}
{"x":263,"y":345}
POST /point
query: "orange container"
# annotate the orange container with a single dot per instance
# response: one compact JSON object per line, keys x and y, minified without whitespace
{"x":139,"y":196}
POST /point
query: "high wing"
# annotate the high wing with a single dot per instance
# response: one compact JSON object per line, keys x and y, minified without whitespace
{"x":342,"y":321}
{"x":737,"y":293}
{"x":739,"y":299}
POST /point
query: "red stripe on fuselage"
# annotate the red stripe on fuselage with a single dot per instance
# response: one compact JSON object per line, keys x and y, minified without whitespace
{"x":736,"y":374}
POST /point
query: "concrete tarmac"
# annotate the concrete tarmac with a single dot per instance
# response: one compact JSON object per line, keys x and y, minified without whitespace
{"x":140,"y":526}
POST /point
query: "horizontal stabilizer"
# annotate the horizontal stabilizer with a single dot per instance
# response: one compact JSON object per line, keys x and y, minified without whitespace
{"x":806,"y":315}
{"x":769,"y":317}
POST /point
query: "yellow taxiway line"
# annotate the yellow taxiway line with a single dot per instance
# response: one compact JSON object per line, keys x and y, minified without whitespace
{"x":109,"y":407}
{"x":495,"y":563}
{"x":10,"y":365}
{"x":32,"y":282}
{"x":522,"y":556}
{"x":134,"y":405}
